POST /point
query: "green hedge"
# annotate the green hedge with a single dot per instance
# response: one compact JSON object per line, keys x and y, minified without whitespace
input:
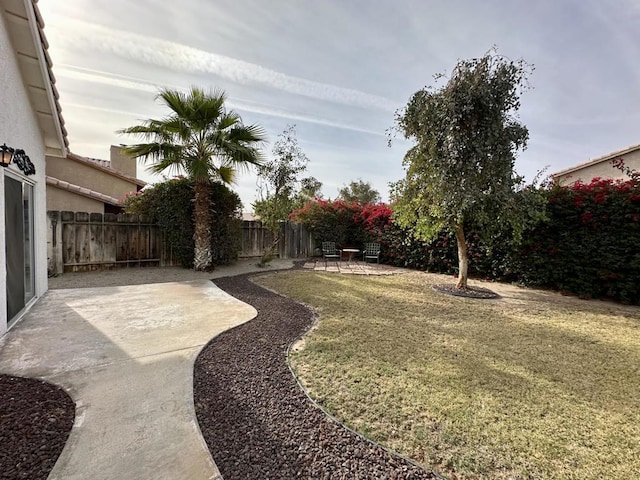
{"x":590,"y":246}
{"x":170,"y":205}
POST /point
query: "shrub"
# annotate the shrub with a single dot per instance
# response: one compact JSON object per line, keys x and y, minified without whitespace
{"x":332,"y":221}
{"x":226,"y":232}
{"x":589,"y":245}
{"x":170,"y":205}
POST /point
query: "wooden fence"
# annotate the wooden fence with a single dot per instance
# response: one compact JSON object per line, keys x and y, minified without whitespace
{"x":79,"y":241}
{"x":295,"y":240}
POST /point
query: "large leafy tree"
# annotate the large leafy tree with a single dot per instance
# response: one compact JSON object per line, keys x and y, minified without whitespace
{"x":461,"y":169}
{"x":201,"y":138}
{"x":360,"y":191}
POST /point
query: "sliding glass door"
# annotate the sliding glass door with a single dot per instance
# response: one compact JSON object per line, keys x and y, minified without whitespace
{"x":27,"y":210}
{"x":18,"y":214}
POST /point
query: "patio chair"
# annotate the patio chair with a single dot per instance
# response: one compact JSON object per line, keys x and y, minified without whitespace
{"x":371,"y":250}
{"x":329,"y":250}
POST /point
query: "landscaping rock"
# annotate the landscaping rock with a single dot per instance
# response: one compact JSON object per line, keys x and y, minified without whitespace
{"x":257,"y":421}
{"x":35,"y":420}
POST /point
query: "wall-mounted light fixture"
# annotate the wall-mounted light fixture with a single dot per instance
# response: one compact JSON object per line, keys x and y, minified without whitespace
{"x":19,"y":157}
{"x":6,"y":154}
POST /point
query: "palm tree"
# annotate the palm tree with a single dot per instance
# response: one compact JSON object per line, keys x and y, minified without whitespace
{"x":204,"y":140}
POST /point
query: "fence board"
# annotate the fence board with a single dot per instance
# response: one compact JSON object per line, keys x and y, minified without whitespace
{"x":97,"y":241}
{"x":109,"y":247}
{"x":83,"y":236}
{"x":134,"y":245}
{"x":154,"y":240}
{"x":68,"y":243}
{"x":143,"y":242}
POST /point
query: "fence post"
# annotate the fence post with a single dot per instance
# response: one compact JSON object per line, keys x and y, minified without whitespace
{"x":283,"y":243}
{"x":68,"y":237}
{"x":55,"y":265}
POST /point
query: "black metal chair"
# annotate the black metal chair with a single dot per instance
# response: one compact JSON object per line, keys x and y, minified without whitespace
{"x":371,"y":250}
{"x":330,"y":251}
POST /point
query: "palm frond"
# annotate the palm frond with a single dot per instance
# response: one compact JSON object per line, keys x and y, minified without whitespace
{"x":226,"y":174}
{"x":230,"y":119}
{"x":175,"y":100}
{"x":247,"y":134}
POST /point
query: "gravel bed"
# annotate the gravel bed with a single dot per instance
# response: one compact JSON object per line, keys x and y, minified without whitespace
{"x":257,"y":421}
{"x":35,"y":420}
{"x":469,"y":292}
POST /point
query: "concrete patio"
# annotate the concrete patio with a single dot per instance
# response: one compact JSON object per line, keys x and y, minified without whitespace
{"x":353,"y":267}
{"x":125,"y":355}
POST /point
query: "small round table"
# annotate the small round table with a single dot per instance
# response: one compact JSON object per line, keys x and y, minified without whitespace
{"x":351,"y":252}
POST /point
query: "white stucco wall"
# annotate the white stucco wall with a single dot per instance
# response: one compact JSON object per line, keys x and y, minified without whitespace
{"x":602,"y":169}
{"x":19,"y":129}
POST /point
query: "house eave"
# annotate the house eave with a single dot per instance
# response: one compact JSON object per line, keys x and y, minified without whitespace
{"x":25,"y":28}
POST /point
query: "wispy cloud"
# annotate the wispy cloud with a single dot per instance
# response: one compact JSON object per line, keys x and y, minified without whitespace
{"x":110,"y":111}
{"x":181,"y":58}
{"x":104,"y":78}
{"x":273,"y":112}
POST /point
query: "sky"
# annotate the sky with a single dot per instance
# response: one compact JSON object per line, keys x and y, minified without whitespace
{"x":339,"y":69}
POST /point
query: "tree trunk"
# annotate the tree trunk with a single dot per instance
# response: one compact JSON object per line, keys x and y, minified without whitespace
{"x":463,"y":259}
{"x":202,"y":258}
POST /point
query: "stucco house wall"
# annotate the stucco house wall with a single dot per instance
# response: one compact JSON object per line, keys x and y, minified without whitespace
{"x":80,"y":184}
{"x":121,"y":162}
{"x":600,"y":167}
{"x":22,"y":126}
{"x":79,"y":173}
{"x":64,"y":200}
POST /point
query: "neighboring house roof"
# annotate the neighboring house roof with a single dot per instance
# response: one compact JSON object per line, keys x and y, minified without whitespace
{"x":25,"y":27}
{"x":104,"y":166}
{"x":604,"y":158}
{"x":97,"y":161}
{"x":85,"y":192}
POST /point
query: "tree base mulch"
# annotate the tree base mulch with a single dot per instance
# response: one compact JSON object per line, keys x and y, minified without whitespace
{"x":35,"y":420}
{"x":469,"y":292}
{"x":257,"y":421}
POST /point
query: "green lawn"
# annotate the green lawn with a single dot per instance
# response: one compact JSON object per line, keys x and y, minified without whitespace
{"x":533,"y":385}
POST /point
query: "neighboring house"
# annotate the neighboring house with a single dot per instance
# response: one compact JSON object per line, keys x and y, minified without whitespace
{"x":80,"y":184}
{"x":31,"y":124}
{"x":600,"y":167}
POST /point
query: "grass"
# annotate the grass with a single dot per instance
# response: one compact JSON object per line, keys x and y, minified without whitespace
{"x":531,"y":386}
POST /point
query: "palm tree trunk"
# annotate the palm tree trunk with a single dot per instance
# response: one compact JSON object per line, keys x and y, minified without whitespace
{"x":202,"y":258}
{"x":463,"y":259}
